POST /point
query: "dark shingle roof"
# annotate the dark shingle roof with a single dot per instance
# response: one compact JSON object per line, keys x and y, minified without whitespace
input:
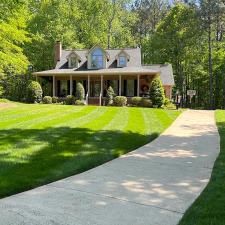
{"x":134,"y":53}
{"x":134,"y":65}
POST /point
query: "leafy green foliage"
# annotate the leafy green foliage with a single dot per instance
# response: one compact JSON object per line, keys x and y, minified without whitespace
{"x":80,"y":92}
{"x":47,"y":100}
{"x":13,"y":36}
{"x":34,"y":92}
{"x":136,"y":101}
{"x":110,"y":94}
{"x":156,"y":93}
{"x":55,"y":99}
{"x":120,"y":101}
{"x":70,"y":100}
{"x":146,"y":103}
{"x":79,"y":102}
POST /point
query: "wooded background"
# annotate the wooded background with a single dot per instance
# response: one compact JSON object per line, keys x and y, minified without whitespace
{"x":187,"y":34}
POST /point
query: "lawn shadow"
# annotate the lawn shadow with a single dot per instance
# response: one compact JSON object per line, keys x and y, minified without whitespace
{"x":33,"y":157}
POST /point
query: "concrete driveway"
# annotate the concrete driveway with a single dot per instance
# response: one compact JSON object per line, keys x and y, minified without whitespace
{"x":153,"y":185}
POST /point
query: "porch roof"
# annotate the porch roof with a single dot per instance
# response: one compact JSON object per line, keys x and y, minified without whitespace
{"x":111,"y":71}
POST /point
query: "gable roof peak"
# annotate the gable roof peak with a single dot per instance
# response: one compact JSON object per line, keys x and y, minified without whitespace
{"x":73,"y":52}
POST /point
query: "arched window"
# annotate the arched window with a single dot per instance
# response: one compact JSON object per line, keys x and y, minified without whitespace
{"x":97,"y":59}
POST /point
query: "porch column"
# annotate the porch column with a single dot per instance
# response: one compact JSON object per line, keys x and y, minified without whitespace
{"x":101,"y":85}
{"x":89,"y":85}
{"x":53,"y":86}
{"x":71,"y":85}
{"x":120,"y":82}
{"x":138,"y":85}
{"x":101,"y":92}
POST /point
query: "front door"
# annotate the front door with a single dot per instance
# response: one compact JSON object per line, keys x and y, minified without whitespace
{"x":95,"y":88}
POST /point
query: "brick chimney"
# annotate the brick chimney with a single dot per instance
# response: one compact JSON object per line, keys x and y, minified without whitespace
{"x":58,"y":51}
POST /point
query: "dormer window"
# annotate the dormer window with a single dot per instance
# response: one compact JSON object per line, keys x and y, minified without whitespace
{"x":97,"y":59}
{"x":73,"y":62}
{"x":122,"y":58}
{"x":122,"y":61}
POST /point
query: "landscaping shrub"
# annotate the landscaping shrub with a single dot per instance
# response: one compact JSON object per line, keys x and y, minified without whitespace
{"x":70,"y":100}
{"x":110,"y":95}
{"x":55,"y":99}
{"x":136,"y":101}
{"x":80,"y":92}
{"x":47,"y":100}
{"x":146,"y":103}
{"x":166,"y":101}
{"x":168,"y":104}
{"x":120,"y":101}
{"x":78,"y":102}
{"x":156,"y":93}
{"x":34,"y":92}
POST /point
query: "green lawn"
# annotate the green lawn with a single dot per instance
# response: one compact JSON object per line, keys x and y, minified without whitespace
{"x":42,"y":143}
{"x":209,"y":208}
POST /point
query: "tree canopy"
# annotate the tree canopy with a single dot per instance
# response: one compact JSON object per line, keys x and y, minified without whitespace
{"x":188,"y":34}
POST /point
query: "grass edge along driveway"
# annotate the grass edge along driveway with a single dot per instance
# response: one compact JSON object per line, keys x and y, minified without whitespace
{"x":209,"y":208}
{"x":40,"y":144}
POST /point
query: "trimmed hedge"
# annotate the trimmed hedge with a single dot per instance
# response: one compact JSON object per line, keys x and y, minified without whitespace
{"x":120,"y":101}
{"x":79,"y":102}
{"x":136,"y":101}
{"x":47,"y":100}
{"x":70,"y":100}
{"x":141,"y":102}
{"x":55,"y":99}
{"x":146,"y":103}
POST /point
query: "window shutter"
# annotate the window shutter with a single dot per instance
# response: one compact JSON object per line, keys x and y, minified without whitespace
{"x":135,"y":87}
{"x":58,"y":88}
{"x":124,"y":88}
{"x":68,"y":87}
{"x":74,"y":87}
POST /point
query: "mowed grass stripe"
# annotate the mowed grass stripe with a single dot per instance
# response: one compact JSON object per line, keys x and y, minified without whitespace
{"x":67,"y":142}
{"x":15,"y":134}
{"x":16,"y":121}
{"x":152,"y":124}
{"x":20,"y":111}
{"x":120,"y":120}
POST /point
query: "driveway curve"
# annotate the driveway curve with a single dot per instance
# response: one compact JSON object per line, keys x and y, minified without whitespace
{"x":153,"y":185}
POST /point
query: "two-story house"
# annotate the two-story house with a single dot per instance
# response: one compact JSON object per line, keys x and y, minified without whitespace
{"x":97,"y":68}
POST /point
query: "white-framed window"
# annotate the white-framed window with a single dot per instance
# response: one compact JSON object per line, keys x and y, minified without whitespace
{"x":97,"y":58}
{"x":73,"y":62}
{"x":122,"y":61}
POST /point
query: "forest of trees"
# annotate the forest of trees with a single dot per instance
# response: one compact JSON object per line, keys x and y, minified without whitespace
{"x":188,"y":34}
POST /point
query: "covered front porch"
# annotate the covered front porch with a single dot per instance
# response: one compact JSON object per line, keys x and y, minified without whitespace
{"x":96,"y":85}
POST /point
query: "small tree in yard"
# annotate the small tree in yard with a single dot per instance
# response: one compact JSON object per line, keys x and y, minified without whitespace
{"x":110,"y":95}
{"x":80,"y":91}
{"x":157,"y":93}
{"x":34,"y":92}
